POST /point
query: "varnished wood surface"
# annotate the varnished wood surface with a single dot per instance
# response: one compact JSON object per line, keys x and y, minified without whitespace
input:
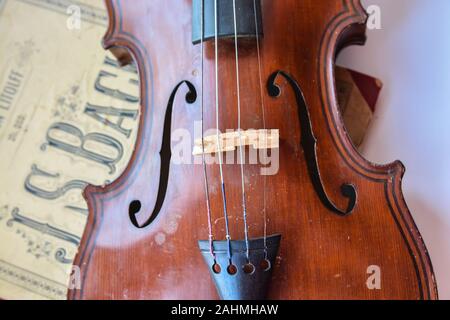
{"x":322,"y":255}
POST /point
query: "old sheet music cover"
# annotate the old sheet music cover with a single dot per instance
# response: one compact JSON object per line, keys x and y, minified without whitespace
{"x":68,"y":118}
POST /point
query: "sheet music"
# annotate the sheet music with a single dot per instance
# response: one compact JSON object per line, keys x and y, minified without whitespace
{"x":68,"y":118}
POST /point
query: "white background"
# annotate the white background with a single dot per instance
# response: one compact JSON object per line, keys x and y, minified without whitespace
{"x":411,"y":55}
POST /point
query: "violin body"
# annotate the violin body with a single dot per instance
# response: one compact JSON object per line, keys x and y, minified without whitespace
{"x":338,"y":214}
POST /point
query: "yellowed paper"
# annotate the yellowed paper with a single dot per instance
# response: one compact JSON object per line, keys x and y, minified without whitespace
{"x":68,"y":118}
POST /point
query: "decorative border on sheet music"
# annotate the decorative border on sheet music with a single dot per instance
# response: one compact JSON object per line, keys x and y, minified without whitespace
{"x":31,"y":281}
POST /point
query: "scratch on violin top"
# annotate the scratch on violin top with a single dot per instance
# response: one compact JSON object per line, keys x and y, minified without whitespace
{"x":160,"y":238}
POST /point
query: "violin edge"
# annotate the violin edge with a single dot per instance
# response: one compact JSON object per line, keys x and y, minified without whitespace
{"x":351,"y":30}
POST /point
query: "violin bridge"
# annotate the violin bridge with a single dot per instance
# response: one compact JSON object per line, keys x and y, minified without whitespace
{"x":230,"y":141}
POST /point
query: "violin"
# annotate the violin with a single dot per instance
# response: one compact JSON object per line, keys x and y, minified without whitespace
{"x":244,"y":183}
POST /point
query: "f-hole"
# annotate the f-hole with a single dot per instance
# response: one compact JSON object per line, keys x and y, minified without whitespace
{"x":309,"y":145}
{"x":165,"y":156}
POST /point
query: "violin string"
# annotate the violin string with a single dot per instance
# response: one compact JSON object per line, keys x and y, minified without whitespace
{"x":264,"y":120}
{"x":219,"y":143}
{"x":244,"y":205}
{"x":205,"y":173}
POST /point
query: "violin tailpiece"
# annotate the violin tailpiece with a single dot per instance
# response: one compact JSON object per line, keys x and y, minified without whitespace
{"x":247,"y":277}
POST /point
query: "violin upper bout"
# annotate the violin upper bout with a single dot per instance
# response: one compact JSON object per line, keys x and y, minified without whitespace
{"x":111,"y":23}
{"x":111,"y":40}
